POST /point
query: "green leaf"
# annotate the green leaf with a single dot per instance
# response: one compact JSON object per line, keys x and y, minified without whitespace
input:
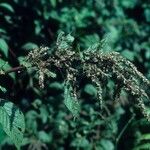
{"x":147,"y":14}
{"x":23,"y":62}
{"x":147,"y":54}
{"x":71,"y":103}
{"x":2,"y":134}
{"x":2,"y":89}
{"x":144,"y":146}
{"x":53,"y":3}
{"x":4,"y":47}
{"x":80,"y":142}
{"x":64,"y":41}
{"x":44,"y":137}
{"x":7,"y":7}
{"x":105,"y":144}
{"x":69,"y":39}
{"x":2,"y":31}
{"x":43,"y":114}
{"x":31,"y":123}
{"x":38,"y":26}
{"x":29,"y":46}
{"x":145,"y":137}
{"x":90,"y":90}
{"x":4,"y":66}
{"x":56,"y":86}
{"x":128,"y":3}
{"x":128,"y":54}
{"x":12,"y":121}
{"x":89,"y":41}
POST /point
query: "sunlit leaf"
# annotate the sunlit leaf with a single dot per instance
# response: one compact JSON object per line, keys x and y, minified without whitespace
{"x":7,"y":7}
{"x":4,"y":47}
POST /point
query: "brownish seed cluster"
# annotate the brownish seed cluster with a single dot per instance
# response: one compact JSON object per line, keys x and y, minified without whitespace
{"x":95,"y":65}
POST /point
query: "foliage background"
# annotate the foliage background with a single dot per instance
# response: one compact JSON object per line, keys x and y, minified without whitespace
{"x":122,"y":25}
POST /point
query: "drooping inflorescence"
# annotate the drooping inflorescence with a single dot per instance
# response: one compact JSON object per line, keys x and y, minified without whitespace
{"x":97,"y":66}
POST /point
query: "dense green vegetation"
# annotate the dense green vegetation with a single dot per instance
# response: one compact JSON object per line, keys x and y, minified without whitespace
{"x":107,"y":25}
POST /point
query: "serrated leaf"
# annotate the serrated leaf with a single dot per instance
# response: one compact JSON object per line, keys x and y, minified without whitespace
{"x":64,"y":41}
{"x":12,"y":121}
{"x":69,"y":38}
{"x":4,"y":47}
{"x":7,"y":7}
{"x":71,"y":103}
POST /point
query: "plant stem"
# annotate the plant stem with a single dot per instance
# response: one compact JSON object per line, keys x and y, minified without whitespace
{"x":123,"y":130}
{"x":14,"y":69}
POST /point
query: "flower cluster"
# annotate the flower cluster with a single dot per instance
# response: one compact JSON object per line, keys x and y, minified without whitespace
{"x":95,"y":65}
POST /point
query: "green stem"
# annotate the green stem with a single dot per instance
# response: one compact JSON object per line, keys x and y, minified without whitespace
{"x":123,"y":130}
